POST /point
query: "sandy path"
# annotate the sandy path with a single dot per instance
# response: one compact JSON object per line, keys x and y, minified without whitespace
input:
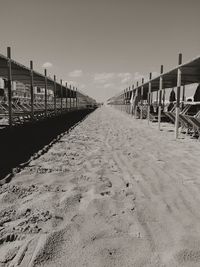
{"x":112,"y":192}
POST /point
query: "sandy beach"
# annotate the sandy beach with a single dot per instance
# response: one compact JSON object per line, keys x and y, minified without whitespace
{"x":111,"y":192}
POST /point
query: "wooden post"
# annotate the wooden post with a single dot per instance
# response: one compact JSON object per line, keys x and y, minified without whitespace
{"x":149,"y":97}
{"x":45,"y":92}
{"x":70,"y":101}
{"x":31,"y":88}
{"x":129,"y":93}
{"x":61,"y":96}
{"x":66,"y":97}
{"x":9,"y":86}
{"x":178,"y":95}
{"x":136,"y":100}
{"x":54,"y":93}
{"x":124,"y":99}
{"x":132,"y":98}
{"x":160,"y":96}
{"x":76,"y":100}
{"x":73,"y":97}
{"x":183,"y":97}
{"x":141,"y":102}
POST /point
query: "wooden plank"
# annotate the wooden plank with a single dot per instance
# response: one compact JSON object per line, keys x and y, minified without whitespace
{"x":31,"y":89}
{"x":178,"y":95}
{"x":9,"y":86}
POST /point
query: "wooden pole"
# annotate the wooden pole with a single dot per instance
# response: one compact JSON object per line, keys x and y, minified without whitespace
{"x":183,"y":97}
{"x":9,"y":86}
{"x":129,"y":98}
{"x":132,"y":98}
{"x":31,"y":88}
{"x":70,"y":101}
{"x":76,"y":99}
{"x":160,"y":96}
{"x":141,"y":102}
{"x":54,"y":92}
{"x":149,"y":97}
{"x":136,"y":100}
{"x":66,"y":97}
{"x":178,"y":96}
{"x":45,"y":92}
{"x":61,"y":96}
{"x":73,"y":97}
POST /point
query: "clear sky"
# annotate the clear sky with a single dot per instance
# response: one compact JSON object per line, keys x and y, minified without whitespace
{"x":102,"y":46}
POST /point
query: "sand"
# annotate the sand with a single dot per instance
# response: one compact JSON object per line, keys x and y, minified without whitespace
{"x":111,"y":192}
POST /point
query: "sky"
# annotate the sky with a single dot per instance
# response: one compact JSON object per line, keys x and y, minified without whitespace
{"x":100,"y":46}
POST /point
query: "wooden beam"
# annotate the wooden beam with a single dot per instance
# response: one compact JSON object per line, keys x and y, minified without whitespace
{"x":61,"y":96}
{"x":54,"y":92}
{"x":160,"y":96}
{"x":31,"y":88}
{"x":76,"y":99}
{"x":66,"y":97}
{"x":45,"y":92}
{"x":149,"y":97}
{"x":141,"y":101}
{"x":9,"y":84}
{"x":136,"y":101}
{"x":70,"y":101}
{"x":178,"y":95}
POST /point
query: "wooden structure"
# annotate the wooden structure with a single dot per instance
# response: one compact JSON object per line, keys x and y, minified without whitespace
{"x":181,"y":75}
{"x":11,"y":70}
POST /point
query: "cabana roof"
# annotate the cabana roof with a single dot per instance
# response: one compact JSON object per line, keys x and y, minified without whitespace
{"x":21,"y":73}
{"x":190,"y":73}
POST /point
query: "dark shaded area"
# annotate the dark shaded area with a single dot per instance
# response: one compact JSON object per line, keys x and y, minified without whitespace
{"x":19,"y":143}
{"x":197,"y":94}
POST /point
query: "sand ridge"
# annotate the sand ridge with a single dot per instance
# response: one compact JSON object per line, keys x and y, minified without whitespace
{"x":111,"y":192}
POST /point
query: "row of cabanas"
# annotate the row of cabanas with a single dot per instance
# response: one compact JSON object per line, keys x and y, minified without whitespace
{"x":10,"y":70}
{"x":181,"y":75}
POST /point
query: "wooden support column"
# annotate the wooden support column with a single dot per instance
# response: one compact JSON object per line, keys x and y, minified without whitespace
{"x":141,"y":102}
{"x":160,"y":96}
{"x":45,"y":92}
{"x":70,"y":94}
{"x":136,"y":101}
{"x":132,"y":96}
{"x":178,"y":96}
{"x":124,"y":99}
{"x":73,"y":97}
{"x":66,"y":96}
{"x":129,"y":94}
{"x":9,"y":84}
{"x":149,"y":97}
{"x":76,"y":99}
{"x":54,"y":93}
{"x":61,"y":96}
{"x":31,"y":88}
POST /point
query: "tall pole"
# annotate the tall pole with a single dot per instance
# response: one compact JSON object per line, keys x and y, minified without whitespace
{"x":73,"y":97}
{"x":141,"y":102}
{"x":76,"y":99}
{"x":45,"y":92}
{"x":183,"y":97}
{"x":178,"y":95}
{"x":149,"y":97}
{"x":129,"y":98}
{"x":9,"y":86}
{"x":70,"y":94}
{"x":132,"y":99}
{"x":160,"y":96}
{"x":66,"y":96}
{"x":61,"y":95}
{"x":54,"y":92}
{"x":136,"y":100}
{"x":31,"y":88}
